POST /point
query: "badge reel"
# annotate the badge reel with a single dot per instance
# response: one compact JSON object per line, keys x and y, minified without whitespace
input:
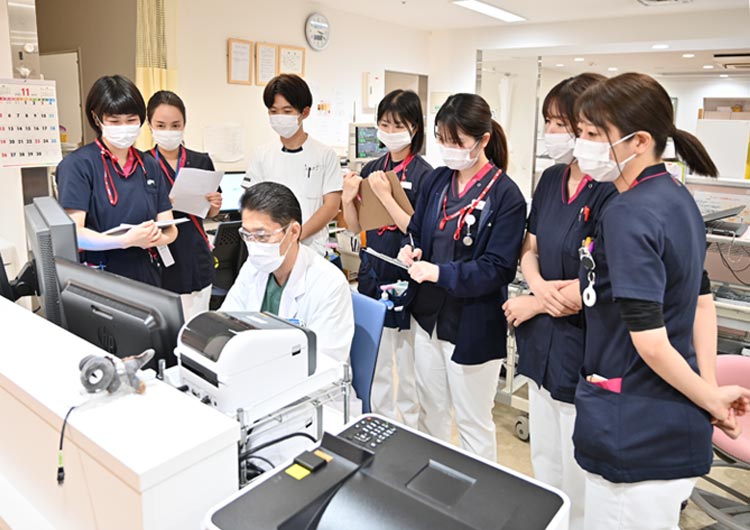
{"x":587,"y":260}
{"x":469,"y":220}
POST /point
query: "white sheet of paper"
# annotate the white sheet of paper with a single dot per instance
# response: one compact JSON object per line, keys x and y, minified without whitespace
{"x":124,"y":227}
{"x":189,"y":191}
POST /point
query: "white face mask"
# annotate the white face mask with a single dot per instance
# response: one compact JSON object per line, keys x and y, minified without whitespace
{"x":593,"y":159}
{"x":266,"y":257}
{"x":121,"y":136}
{"x":285,"y":125}
{"x":560,"y":146}
{"x":458,"y":159}
{"x":168,"y":140}
{"x":395,"y":142}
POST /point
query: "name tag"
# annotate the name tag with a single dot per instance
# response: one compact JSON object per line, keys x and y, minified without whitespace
{"x":166,"y":255}
{"x":480,"y":205}
{"x":406,"y":184}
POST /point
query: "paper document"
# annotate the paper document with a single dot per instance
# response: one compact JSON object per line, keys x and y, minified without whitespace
{"x":387,"y":259}
{"x":124,"y":227}
{"x":190,"y":189}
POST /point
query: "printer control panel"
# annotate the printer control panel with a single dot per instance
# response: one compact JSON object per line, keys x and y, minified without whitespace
{"x":370,"y":432}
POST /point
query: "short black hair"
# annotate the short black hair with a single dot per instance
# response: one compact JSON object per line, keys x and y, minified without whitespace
{"x":165,"y":97}
{"x":273,"y":199}
{"x":405,"y":106}
{"x":114,"y":94}
{"x":564,"y":95}
{"x":292,"y":87}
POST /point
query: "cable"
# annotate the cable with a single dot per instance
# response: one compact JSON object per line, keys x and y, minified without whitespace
{"x":728,"y":266}
{"x":261,"y":458}
{"x":60,"y":467}
{"x":243,"y":456}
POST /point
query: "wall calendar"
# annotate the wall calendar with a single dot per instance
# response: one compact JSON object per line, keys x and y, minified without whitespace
{"x":29,"y":129}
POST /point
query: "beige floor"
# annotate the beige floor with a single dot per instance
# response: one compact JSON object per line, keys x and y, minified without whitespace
{"x":514,"y":454}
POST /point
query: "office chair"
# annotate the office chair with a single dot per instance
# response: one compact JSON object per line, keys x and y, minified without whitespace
{"x":369,"y":316}
{"x":734,"y":454}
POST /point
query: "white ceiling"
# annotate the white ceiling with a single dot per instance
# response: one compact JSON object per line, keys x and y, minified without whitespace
{"x":657,"y":63}
{"x":442,"y":14}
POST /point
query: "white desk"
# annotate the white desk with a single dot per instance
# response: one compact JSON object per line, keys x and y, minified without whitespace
{"x":152,"y":461}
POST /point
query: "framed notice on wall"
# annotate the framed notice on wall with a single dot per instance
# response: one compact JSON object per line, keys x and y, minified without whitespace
{"x":239,"y":61}
{"x":291,"y":60}
{"x":266,"y":62}
{"x":29,"y":129}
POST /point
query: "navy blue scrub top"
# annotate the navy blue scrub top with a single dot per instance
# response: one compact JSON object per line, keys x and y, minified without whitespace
{"x":551,"y":349}
{"x":193,"y":267}
{"x":374,"y":272}
{"x":650,"y":245}
{"x":141,"y":197}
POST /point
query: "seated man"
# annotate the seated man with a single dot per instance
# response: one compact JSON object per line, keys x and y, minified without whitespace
{"x":288,"y":279}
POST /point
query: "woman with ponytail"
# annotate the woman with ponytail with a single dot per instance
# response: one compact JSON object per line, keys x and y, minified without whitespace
{"x":462,"y":246}
{"x":647,"y":394}
{"x":549,"y":322}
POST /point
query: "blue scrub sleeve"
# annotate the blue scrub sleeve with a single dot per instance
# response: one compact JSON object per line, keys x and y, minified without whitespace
{"x":634,"y":244}
{"x":74,"y":185}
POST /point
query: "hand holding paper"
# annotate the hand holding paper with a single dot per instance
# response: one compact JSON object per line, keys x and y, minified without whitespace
{"x":190,"y":189}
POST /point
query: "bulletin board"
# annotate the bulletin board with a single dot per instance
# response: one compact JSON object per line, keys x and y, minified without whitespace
{"x":29,"y":129}
{"x":239,"y":62}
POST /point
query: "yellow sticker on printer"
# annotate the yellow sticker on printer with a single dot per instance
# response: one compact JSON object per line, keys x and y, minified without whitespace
{"x":296,"y":471}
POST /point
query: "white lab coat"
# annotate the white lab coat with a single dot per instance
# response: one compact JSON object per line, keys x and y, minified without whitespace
{"x":317,"y":294}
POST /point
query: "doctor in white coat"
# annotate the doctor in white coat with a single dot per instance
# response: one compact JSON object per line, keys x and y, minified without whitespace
{"x":288,"y":279}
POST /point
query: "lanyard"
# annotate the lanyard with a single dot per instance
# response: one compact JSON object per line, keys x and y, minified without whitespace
{"x":636,"y":181}
{"x":469,"y":208}
{"x":401,"y":167}
{"x":181,"y":161}
{"x":109,"y":183}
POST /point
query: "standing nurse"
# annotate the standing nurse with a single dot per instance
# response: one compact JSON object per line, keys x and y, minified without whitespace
{"x":467,"y":227}
{"x":192,"y":274}
{"x":646,"y":393}
{"x":401,"y":130}
{"x":549,"y":325}
{"x":108,"y":182}
{"x":307,"y":167}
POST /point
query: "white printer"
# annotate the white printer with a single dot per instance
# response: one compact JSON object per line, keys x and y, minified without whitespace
{"x":232,"y":360}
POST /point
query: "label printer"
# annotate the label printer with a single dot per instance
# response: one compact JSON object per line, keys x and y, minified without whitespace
{"x":232,"y":360}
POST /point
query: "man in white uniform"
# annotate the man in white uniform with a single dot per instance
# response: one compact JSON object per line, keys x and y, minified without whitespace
{"x":307,"y":167}
{"x":288,"y":279}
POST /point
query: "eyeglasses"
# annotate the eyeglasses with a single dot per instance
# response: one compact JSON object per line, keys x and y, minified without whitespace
{"x":259,"y":236}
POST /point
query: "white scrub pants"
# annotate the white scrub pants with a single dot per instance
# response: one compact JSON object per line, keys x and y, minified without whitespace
{"x":388,"y":398}
{"x":648,"y":505}
{"x":551,"y":428}
{"x":469,"y":389}
{"x":195,"y":302}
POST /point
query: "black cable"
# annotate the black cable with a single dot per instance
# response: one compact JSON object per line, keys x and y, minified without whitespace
{"x":728,"y":266}
{"x":261,"y":458}
{"x":243,"y":456}
{"x":60,"y":467}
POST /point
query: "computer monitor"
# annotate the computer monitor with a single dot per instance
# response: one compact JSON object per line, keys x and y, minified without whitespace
{"x":120,"y":315}
{"x":51,"y":234}
{"x":363,"y":142}
{"x":231,"y":190}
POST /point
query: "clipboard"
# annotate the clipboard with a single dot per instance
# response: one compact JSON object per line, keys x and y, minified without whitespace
{"x":372,"y":213}
{"x":387,"y":259}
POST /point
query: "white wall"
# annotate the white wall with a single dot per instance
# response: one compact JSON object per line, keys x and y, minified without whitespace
{"x":690,"y":94}
{"x":358,"y":45}
{"x":11,"y":191}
